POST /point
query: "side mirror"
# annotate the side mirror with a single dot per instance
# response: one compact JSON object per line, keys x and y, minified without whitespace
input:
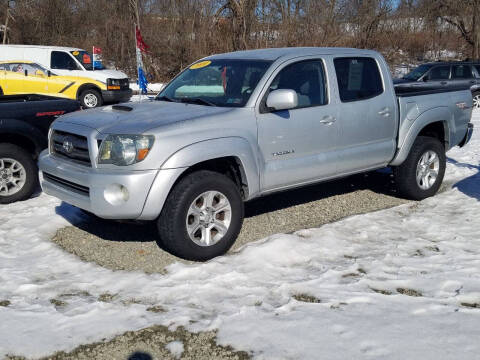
{"x":49,"y":73}
{"x":283,"y":99}
{"x":425,"y":79}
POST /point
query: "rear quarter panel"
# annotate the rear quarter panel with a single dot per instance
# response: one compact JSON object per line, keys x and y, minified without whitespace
{"x":416,"y":112}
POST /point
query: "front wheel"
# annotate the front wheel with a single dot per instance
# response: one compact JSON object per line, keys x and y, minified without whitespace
{"x":202,"y":216}
{"x":476,"y":100}
{"x":18,"y":174}
{"x":90,"y":98}
{"x":421,"y":174}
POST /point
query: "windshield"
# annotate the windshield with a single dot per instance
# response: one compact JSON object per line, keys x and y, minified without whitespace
{"x":416,"y":73}
{"x":86,"y":59}
{"x":227,"y":83}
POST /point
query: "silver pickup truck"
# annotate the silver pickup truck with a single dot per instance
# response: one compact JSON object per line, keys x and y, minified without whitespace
{"x":236,"y":126}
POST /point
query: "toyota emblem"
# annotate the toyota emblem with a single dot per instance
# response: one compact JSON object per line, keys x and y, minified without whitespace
{"x":67,"y":146}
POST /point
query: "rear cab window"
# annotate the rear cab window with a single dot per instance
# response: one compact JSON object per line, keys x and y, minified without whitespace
{"x":62,"y":61}
{"x":358,"y":78}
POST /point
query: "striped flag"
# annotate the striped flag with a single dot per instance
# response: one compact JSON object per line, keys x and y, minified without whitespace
{"x":141,"y":48}
{"x":97,"y":58}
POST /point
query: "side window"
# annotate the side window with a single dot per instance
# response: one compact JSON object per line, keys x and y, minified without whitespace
{"x":478,"y":68}
{"x":307,"y":78}
{"x":63,"y":61}
{"x":461,"y":72}
{"x":15,"y":67}
{"x":439,"y":73}
{"x":358,"y":78}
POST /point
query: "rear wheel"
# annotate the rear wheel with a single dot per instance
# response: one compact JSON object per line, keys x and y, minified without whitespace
{"x":202,"y":216}
{"x":90,"y":98}
{"x":18,"y":174}
{"x":421,"y":174}
{"x":476,"y":100}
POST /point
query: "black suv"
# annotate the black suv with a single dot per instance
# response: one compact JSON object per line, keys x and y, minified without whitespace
{"x":438,"y":75}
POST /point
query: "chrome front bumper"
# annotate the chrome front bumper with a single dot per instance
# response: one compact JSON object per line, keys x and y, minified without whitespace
{"x":108,"y":194}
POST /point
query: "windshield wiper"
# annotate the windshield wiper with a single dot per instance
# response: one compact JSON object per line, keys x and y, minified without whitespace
{"x":197,"y":101}
{"x":164,"y":98}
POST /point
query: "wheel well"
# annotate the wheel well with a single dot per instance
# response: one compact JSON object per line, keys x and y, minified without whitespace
{"x":230,"y":166}
{"x":87,"y":87}
{"x":1,"y":91}
{"x":21,"y":141}
{"x":435,"y":130}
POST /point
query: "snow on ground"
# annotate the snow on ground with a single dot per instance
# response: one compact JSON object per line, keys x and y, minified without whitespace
{"x":402,"y":283}
{"x":153,"y":87}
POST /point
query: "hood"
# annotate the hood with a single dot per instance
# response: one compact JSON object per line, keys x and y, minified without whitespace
{"x":143,"y":116}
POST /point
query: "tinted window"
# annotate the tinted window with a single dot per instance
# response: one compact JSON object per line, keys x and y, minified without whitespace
{"x":307,"y":78}
{"x":461,"y":72}
{"x":478,"y":69}
{"x":439,"y":73}
{"x":62,"y":60}
{"x":358,"y":78}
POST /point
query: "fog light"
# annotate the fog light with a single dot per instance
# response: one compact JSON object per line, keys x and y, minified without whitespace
{"x":116,"y":194}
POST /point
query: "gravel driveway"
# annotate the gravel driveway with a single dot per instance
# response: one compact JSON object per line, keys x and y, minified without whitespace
{"x":132,"y":246}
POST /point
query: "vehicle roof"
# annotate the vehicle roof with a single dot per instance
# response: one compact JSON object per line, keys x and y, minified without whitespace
{"x":17,"y":61}
{"x":433,"y":63}
{"x":44,"y":47}
{"x":289,"y":52}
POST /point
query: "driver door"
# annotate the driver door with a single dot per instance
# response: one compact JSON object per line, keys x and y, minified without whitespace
{"x":297,"y":145}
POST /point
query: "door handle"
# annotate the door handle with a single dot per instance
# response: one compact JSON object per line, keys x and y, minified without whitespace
{"x":443,"y":82}
{"x":328,"y":120}
{"x":384,"y":112}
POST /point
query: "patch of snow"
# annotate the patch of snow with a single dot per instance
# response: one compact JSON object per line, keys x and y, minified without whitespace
{"x":176,"y":348}
{"x":152,"y":87}
{"x":398,"y":283}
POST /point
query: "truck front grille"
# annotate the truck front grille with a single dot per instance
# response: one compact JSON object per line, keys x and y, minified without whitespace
{"x":77,"y":188}
{"x":70,"y":146}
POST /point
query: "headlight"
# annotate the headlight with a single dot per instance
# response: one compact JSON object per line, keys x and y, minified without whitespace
{"x":123,"y":150}
{"x":113,"y":84}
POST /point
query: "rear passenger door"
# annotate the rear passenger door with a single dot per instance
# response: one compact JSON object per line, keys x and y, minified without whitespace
{"x":298,"y":145}
{"x":367,"y":114}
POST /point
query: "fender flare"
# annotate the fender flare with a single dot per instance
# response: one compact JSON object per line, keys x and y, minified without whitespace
{"x":211,"y":149}
{"x":438,"y":114}
{"x":22,"y":129}
{"x":87,"y":86}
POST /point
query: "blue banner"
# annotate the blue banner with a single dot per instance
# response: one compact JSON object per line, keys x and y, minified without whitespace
{"x":142,"y":81}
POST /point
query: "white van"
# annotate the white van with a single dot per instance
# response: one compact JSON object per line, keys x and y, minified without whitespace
{"x":66,"y":61}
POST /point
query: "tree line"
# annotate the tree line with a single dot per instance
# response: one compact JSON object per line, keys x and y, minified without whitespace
{"x":181,"y":31}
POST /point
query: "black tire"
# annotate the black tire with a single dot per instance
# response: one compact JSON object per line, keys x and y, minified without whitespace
{"x":87,"y":97}
{"x":14,"y":152}
{"x":172,"y":225}
{"x":1,"y":92}
{"x":405,"y":174}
